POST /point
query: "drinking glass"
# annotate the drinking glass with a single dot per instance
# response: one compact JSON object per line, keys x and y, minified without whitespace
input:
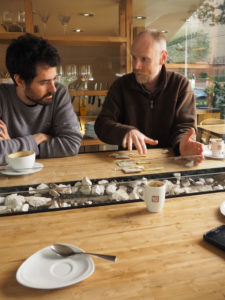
{"x":7,"y":18}
{"x":44,"y":16}
{"x":21,"y":19}
{"x":64,"y":20}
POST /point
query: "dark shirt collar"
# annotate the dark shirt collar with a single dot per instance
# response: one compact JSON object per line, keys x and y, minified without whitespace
{"x":160,"y":85}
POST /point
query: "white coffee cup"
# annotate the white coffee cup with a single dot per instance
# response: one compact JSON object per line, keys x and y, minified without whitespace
{"x":154,"y":195}
{"x":22,"y":160}
{"x":217,"y":147}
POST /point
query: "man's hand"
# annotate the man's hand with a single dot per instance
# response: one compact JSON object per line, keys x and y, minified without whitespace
{"x":139,"y":140}
{"x":41,"y":137}
{"x":189,"y":147}
{"x":4,"y":132}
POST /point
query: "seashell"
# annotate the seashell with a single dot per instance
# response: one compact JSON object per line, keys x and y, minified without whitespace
{"x":199,"y":183}
{"x":85,"y":189}
{"x":64,"y":204}
{"x":202,"y":180}
{"x":2,"y":200}
{"x":38,"y":201}
{"x":134,"y":195}
{"x":98,"y":190}
{"x":78,"y":183}
{"x":42,"y":186}
{"x":218,"y":187}
{"x":185,"y":183}
{"x":103,"y":181}
{"x":25,"y":207}
{"x":4,"y":209}
{"x":14,"y":201}
{"x":111,"y":188}
{"x":123,"y":187}
{"x":178,"y":190}
{"x":54,"y":193}
{"x":54,"y":205}
{"x":74,"y":189}
{"x":86,"y":181}
{"x":209,"y":180}
{"x":119,"y":195}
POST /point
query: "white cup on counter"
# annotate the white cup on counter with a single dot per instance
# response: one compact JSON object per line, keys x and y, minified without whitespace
{"x":154,"y":195}
{"x":20,"y":161}
{"x":217,"y":147}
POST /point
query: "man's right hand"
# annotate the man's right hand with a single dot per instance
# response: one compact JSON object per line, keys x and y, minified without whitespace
{"x":41,"y":137}
{"x":4,"y":132}
{"x":139,"y":140}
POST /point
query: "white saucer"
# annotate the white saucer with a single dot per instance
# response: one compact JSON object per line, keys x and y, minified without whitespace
{"x":47,"y":270}
{"x":209,"y":154}
{"x":222,"y":208}
{"x":9,"y":171}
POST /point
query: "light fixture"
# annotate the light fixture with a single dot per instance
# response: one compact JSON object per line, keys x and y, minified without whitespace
{"x":87,"y":14}
{"x":164,"y":31}
{"x":78,"y":30}
{"x":139,"y":17}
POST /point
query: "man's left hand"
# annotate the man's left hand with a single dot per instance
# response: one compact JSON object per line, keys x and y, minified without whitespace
{"x":189,"y":147}
{"x":4,"y":132}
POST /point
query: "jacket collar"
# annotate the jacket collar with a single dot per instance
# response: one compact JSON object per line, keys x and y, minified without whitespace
{"x":162,"y":82}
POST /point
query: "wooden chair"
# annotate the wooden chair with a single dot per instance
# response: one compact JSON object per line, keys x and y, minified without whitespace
{"x":212,"y":121}
{"x":204,"y":138}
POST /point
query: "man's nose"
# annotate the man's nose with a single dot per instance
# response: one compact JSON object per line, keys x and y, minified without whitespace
{"x":52,"y":88}
{"x":137,"y":64}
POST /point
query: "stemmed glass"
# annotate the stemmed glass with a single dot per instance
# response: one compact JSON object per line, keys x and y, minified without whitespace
{"x":21,"y":19}
{"x":44,"y":16}
{"x":86,"y":75}
{"x":64,"y":20}
{"x":70,"y":74}
{"x":7,"y":19}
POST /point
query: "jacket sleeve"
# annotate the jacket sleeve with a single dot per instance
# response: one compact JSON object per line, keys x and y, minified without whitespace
{"x":109,"y":125}
{"x":65,"y":132}
{"x":185,"y":115}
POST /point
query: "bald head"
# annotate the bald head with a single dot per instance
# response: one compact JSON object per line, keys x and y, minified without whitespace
{"x":152,"y":35}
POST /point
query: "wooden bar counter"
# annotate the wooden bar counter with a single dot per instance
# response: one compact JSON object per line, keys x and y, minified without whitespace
{"x":161,"y":256}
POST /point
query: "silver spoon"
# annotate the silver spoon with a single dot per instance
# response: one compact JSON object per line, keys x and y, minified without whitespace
{"x":65,"y":251}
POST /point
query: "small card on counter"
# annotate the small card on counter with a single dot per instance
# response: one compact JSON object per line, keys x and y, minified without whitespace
{"x":126,"y":163}
{"x":121,"y":155}
{"x":136,"y":169}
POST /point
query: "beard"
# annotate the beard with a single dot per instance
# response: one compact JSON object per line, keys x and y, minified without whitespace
{"x":142,"y":78}
{"x":41,"y":101}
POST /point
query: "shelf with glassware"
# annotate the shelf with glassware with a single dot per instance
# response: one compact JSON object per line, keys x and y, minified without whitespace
{"x":70,"y":40}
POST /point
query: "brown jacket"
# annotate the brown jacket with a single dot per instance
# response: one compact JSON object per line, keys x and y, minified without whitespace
{"x":164,"y":115}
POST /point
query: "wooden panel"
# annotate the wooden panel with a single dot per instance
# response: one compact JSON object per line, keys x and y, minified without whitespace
{"x":29,"y":16}
{"x":88,"y":93}
{"x":203,"y":115}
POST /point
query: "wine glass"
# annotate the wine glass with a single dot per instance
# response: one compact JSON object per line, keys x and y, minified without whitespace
{"x":64,"y":20}
{"x":44,"y":16}
{"x":7,"y":19}
{"x":21,"y":19}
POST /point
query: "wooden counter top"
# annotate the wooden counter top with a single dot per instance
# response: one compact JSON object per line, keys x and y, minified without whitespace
{"x":161,"y":256}
{"x":102,"y":165}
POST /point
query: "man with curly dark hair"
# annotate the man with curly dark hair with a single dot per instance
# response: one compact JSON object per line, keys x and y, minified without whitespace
{"x":36,"y":112}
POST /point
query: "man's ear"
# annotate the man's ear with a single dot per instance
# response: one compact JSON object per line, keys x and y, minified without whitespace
{"x":163,"y":57}
{"x":20,"y":82}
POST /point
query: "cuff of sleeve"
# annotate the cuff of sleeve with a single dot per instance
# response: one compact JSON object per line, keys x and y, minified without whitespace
{"x":176,"y":149}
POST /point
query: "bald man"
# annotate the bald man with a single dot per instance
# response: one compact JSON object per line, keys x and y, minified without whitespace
{"x":150,"y":106}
